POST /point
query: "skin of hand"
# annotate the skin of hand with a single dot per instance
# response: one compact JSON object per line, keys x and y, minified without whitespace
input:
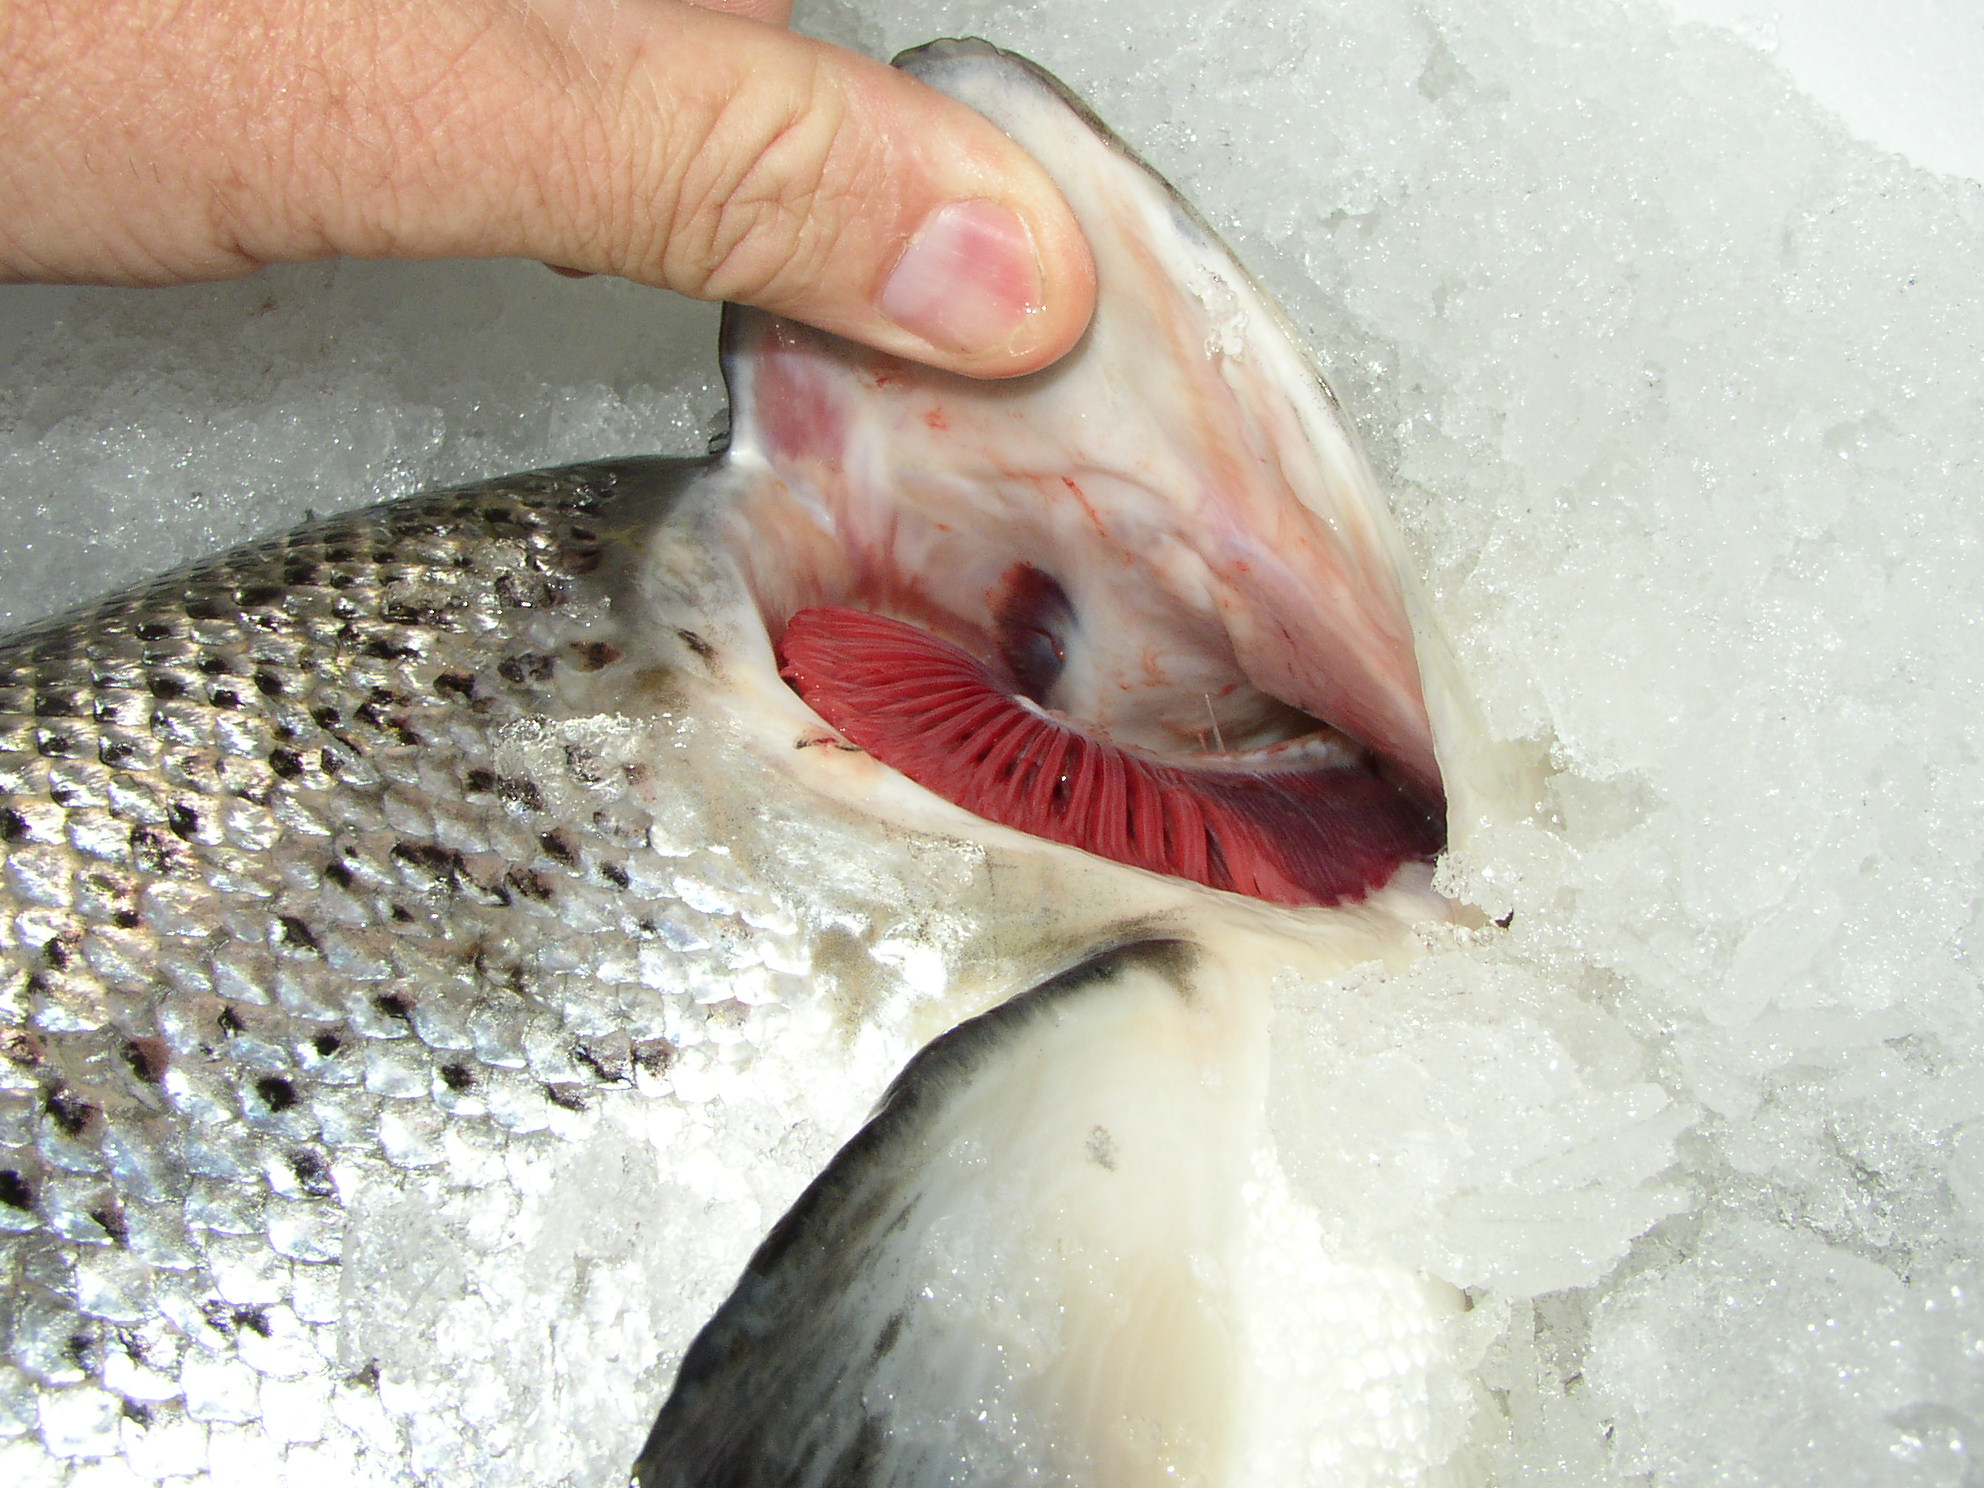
{"x":698,"y":147}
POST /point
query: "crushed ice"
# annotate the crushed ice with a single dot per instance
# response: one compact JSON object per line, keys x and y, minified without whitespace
{"x":1676,"y":387}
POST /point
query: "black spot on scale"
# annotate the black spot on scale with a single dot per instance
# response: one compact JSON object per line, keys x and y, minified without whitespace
{"x":458,"y":1077}
{"x":68,"y":1113}
{"x":229,"y":1021}
{"x":654,"y":1056}
{"x":153,"y":851}
{"x":530,"y":883}
{"x":286,"y":763}
{"x":339,"y":872}
{"x":138,"y":1412}
{"x":522,"y":794}
{"x":395,"y":1005}
{"x":15,"y":1192}
{"x":525,"y":669}
{"x":605,"y":1070}
{"x":167,"y":689}
{"x":268,"y":684}
{"x":433,"y":617}
{"x":276,"y":1093}
{"x":111,"y":1223}
{"x":253,"y":1320}
{"x":296,"y":933}
{"x":183,"y":820}
{"x":565,"y":1097}
{"x":13,"y":826}
{"x":147,"y":1059}
{"x":455,"y":684}
{"x":703,"y":649}
{"x":559,"y":847}
{"x":546,"y":594}
{"x":614,"y":874}
{"x":312,"y":1175}
{"x":326,"y":1044}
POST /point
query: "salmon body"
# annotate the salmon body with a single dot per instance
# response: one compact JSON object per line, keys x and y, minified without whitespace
{"x":441,"y":942}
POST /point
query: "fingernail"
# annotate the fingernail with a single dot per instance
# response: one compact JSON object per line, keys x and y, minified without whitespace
{"x":968,"y":280}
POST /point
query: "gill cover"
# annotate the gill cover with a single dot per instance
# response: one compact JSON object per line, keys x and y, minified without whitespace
{"x":1220,"y":621}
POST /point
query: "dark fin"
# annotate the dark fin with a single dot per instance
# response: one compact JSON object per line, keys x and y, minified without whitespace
{"x":1012,"y":1273}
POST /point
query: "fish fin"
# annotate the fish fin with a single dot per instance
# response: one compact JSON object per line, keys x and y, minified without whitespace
{"x":1012,"y":1273}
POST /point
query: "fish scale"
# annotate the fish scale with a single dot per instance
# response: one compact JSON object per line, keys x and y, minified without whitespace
{"x":284,"y":920}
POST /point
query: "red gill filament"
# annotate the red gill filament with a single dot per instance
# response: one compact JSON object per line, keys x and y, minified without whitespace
{"x":1314,"y":836}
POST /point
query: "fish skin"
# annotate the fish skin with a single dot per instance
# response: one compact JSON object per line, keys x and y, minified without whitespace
{"x":431,"y":966}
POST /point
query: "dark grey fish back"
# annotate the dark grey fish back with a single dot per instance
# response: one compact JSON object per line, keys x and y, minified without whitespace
{"x":269,"y":908}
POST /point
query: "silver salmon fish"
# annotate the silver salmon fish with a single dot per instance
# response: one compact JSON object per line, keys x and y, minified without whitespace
{"x":440,"y":943}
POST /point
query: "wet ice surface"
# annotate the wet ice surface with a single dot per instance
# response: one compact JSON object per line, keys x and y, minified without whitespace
{"x":1675,"y":386}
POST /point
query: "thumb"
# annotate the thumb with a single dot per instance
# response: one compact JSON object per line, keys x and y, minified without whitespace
{"x":675,"y":145}
{"x":819,"y":184}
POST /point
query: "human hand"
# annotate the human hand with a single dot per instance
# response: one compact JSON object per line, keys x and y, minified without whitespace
{"x":699,"y":147}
